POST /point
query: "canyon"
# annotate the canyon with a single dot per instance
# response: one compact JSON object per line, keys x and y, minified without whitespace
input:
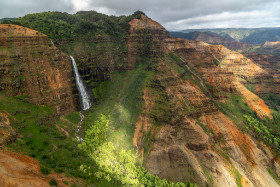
{"x":187,"y":124}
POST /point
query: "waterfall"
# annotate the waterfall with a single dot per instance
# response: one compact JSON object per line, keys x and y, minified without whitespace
{"x":81,"y":87}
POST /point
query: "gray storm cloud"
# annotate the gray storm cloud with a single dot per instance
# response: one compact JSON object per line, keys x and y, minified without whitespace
{"x":174,"y":15}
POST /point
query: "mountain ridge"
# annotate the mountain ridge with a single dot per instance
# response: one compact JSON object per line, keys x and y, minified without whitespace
{"x":212,"y":38}
{"x":246,"y":35}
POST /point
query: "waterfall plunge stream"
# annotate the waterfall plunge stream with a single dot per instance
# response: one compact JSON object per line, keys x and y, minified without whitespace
{"x":85,"y":99}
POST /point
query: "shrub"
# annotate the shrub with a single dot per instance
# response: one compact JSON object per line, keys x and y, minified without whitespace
{"x":65,"y":182}
{"x":53,"y":182}
{"x":95,"y":135}
{"x":45,"y":170}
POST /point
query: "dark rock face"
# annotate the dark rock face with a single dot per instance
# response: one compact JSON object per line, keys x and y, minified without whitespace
{"x":31,"y":66}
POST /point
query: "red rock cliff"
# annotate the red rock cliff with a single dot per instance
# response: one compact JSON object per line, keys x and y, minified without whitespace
{"x":201,"y":144}
{"x":30,"y":65}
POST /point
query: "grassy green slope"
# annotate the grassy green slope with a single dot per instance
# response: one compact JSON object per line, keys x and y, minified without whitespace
{"x":41,"y":137}
{"x":122,"y":101}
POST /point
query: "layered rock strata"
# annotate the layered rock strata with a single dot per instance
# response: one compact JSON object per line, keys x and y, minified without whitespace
{"x":32,"y":67}
{"x":201,"y":144}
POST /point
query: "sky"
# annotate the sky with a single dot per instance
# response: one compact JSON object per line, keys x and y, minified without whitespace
{"x":174,"y":15}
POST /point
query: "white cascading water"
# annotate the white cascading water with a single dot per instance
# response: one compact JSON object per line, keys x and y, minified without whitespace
{"x":81,"y":87}
{"x":79,"y":127}
{"x":84,"y":96}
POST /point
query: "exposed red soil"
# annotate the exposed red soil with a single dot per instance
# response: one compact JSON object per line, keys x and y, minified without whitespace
{"x":22,"y":171}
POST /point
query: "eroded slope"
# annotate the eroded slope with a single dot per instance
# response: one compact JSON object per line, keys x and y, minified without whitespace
{"x":200,"y":143}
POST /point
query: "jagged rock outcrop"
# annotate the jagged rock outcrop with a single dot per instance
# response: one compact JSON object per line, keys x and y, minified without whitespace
{"x":200,"y":144}
{"x":32,"y":67}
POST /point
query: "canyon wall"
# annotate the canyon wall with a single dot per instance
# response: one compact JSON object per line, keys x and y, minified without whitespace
{"x":34,"y":69}
{"x":202,"y":143}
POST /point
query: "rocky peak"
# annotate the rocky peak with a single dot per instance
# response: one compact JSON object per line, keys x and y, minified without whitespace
{"x":145,"y":23}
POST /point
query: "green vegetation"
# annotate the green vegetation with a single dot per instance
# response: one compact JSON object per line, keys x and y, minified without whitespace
{"x":263,"y":132}
{"x":161,"y":111}
{"x":251,"y":87}
{"x":95,"y":135}
{"x":272,"y":100}
{"x":7,"y":20}
{"x":95,"y":39}
{"x":235,"y":108}
{"x":206,"y":129}
{"x":237,"y":176}
{"x":217,"y":62}
{"x":122,"y":101}
{"x":98,"y":90}
{"x":74,"y":117}
{"x":274,"y":175}
{"x":115,"y":165}
{"x":42,"y":139}
{"x":58,"y":25}
{"x":208,"y":175}
{"x":181,"y":67}
{"x":53,"y":182}
{"x":45,"y":170}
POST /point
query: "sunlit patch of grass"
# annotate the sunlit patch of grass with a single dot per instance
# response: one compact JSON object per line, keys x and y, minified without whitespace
{"x":122,"y":101}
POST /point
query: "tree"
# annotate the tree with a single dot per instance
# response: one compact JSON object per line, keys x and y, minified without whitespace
{"x":115,"y":164}
{"x":95,"y":135}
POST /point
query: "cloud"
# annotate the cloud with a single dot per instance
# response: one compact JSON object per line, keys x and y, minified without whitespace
{"x":174,"y":15}
{"x":17,"y":8}
{"x":269,"y":16}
